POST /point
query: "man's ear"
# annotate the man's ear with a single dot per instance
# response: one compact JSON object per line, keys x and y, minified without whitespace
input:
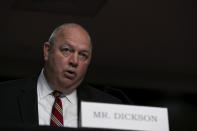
{"x":46,"y":49}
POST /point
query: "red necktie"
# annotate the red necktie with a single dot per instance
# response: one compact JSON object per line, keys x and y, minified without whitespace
{"x":57,"y":111}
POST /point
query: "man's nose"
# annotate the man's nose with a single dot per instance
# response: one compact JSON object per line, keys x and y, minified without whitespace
{"x":74,"y":60}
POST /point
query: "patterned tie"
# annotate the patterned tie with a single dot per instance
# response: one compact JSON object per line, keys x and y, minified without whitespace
{"x":57,"y":111}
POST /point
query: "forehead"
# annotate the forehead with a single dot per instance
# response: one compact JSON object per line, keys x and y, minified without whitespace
{"x":75,"y":37}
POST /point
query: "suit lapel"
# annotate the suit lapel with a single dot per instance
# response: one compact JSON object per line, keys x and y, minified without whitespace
{"x":28,"y":102}
{"x":82,"y":93}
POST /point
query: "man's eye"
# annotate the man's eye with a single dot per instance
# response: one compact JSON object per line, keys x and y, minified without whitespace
{"x":65,"y":49}
{"x":84,"y":56}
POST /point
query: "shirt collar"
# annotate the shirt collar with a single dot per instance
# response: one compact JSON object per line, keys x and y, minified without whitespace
{"x":43,"y":87}
{"x":72,"y":97}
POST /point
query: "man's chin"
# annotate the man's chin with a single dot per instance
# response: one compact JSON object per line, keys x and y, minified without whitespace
{"x":70,"y":83}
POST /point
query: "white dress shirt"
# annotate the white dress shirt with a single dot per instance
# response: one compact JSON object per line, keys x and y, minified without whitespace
{"x":46,"y":100}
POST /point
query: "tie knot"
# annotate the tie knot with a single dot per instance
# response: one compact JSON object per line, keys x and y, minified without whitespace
{"x":56,"y":94}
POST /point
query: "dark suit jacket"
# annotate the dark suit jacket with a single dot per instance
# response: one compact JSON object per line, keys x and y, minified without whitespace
{"x":19,"y":101}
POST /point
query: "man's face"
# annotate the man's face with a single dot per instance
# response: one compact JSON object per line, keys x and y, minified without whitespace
{"x":68,"y":59}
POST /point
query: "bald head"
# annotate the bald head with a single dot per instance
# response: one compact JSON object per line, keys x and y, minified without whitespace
{"x":66,"y":29}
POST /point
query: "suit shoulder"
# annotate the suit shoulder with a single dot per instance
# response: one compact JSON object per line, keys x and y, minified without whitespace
{"x":16,"y":84}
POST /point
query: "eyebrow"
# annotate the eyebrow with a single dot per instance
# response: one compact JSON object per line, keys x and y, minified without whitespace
{"x":68,"y":44}
{"x":83,"y":50}
{"x":86,"y":52}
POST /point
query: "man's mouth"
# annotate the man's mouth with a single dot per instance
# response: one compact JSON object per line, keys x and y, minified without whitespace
{"x":70,"y":74}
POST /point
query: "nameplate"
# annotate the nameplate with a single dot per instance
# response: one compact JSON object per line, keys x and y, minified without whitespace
{"x":123,"y":117}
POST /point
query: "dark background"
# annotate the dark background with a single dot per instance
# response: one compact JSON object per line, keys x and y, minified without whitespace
{"x":146,"y":48}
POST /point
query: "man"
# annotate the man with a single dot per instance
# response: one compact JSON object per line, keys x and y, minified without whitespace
{"x":30,"y":101}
